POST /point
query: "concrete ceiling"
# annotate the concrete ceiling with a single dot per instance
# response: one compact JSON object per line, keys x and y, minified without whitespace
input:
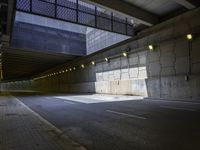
{"x":157,"y":7}
{"x":148,"y":12}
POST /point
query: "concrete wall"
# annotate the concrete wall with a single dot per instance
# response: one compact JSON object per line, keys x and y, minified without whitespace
{"x":99,"y":39}
{"x":172,"y":70}
{"x":41,"y":38}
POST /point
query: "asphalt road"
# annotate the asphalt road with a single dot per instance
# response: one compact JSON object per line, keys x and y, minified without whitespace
{"x":122,"y":125}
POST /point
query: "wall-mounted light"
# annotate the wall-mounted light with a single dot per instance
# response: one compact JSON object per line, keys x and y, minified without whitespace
{"x":106,"y":59}
{"x":93,"y":62}
{"x":124,"y":54}
{"x":82,"y":66}
{"x":151,"y":47}
{"x":189,"y":36}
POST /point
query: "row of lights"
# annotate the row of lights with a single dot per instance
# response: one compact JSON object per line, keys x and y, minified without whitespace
{"x":67,"y":70}
{"x":151,"y":48}
{"x":188,"y":36}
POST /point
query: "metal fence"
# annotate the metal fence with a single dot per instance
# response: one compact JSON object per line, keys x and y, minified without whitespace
{"x":79,"y":12}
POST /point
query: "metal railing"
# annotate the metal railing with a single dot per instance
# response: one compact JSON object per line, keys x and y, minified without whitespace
{"x":79,"y":12}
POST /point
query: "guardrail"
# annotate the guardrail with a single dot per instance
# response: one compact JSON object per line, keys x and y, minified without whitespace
{"x":79,"y":12}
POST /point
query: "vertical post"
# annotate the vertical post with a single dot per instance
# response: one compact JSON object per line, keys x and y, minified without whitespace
{"x":55,"y":8}
{"x":95,"y":16}
{"x":111,"y":21}
{"x":31,"y":5}
{"x":126,"y":25}
{"x":77,"y":11}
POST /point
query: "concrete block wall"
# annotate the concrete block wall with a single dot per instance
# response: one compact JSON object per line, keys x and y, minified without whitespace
{"x":169,"y":71}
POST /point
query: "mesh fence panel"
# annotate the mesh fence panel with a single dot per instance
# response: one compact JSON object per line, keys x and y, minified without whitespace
{"x":66,"y":14}
{"x":85,"y":7}
{"x":67,"y":3}
{"x":23,"y":5}
{"x":119,"y":27}
{"x":130,"y":29}
{"x":43,"y":8}
{"x":80,"y":13}
{"x":86,"y":19}
{"x":104,"y":23}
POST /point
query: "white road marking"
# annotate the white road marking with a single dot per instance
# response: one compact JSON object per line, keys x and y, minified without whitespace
{"x":69,"y":102}
{"x":176,"y":101}
{"x":177,"y":108}
{"x":124,"y":114}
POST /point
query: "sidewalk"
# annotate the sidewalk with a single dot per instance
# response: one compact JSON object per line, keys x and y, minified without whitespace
{"x":22,"y":129}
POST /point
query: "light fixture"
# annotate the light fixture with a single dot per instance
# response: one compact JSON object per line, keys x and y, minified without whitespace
{"x":63,"y":71}
{"x":74,"y":68}
{"x":93,"y":62}
{"x":70,"y":69}
{"x":82,"y":66}
{"x":124,"y":54}
{"x":151,"y":47}
{"x":132,"y":21}
{"x":60,"y":72}
{"x":66,"y":70}
{"x":189,"y":36}
{"x":106,"y":59}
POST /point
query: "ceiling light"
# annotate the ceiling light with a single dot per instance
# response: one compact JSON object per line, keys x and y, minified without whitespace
{"x":82,"y":66}
{"x":124,"y":54}
{"x":66,"y":70}
{"x":151,"y":47}
{"x":132,"y":21}
{"x":70,"y":69}
{"x":106,"y":59}
{"x":93,"y":62}
{"x":189,"y":36}
{"x":74,"y":68}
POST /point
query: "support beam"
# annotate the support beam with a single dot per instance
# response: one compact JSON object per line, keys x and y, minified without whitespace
{"x":185,"y":3}
{"x":11,"y":4}
{"x":127,"y":9}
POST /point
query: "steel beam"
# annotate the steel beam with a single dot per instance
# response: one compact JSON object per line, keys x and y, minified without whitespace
{"x":124,"y":8}
{"x":185,"y":3}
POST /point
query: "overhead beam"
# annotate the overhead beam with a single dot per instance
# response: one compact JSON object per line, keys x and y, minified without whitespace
{"x":185,"y":3}
{"x":119,"y":6}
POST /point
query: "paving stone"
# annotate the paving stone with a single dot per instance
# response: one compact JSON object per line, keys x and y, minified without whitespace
{"x":21,"y":129}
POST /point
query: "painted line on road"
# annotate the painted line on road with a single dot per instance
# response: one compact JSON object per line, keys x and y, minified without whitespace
{"x":68,"y":102}
{"x":177,"y":108}
{"x":176,"y":101}
{"x":124,"y":114}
